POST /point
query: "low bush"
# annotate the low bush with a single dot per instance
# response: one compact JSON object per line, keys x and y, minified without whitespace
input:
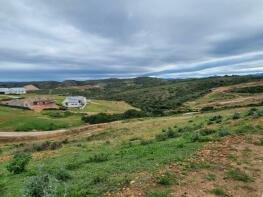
{"x":61,"y":174}
{"x":40,"y":186}
{"x":166,"y":178}
{"x":218,"y":191}
{"x":195,"y":137}
{"x":216,"y":119}
{"x":103,"y":117}
{"x":236,"y":116}
{"x":47,"y":145}
{"x":101,"y":157}
{"x":19,"y":163}
{"x":223,"y":132}
{"x":57,"y":113}
{"x":206,"y":131}
{"x":207,"y":108}
{"x":146,"y":142}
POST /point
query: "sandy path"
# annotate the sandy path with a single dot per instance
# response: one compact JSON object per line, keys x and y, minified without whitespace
{"x":22,"y":136}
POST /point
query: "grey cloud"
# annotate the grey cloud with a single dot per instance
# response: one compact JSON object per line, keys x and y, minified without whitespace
{"x":121,"y":38}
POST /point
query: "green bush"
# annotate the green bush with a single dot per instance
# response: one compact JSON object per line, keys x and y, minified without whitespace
{"x":206,"y":131}
{"x":165,"y":179}
{"x":218,"y":191}
{"x":161,"y":137}
{"x":146,"y":142}
{"x":207,"y":108}
{"x":216,"y":119}
{"x":236,"y":116}
{"x":61,"y":174}
{"x":195,"y":137}
{"x":19,"y":163}
{"x":40,"y":186}
{"x":223,"y":132}
{"x":47,"y":145}
{"x":101,"y":157}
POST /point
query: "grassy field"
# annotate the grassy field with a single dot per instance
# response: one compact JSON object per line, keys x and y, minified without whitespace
{"x":228,"y":97}
{"x":14,"y":119}
{"x":130,"y":151}
{"x":103,"y":106}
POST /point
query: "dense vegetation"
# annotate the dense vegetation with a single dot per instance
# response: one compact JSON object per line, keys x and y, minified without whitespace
{"x":251,"y":89}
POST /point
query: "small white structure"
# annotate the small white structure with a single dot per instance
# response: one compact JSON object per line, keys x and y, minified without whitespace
{"x":75,"y":101}
{"x":12,"y":90}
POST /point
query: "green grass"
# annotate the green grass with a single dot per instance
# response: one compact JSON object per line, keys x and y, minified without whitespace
{"x":14,"y":119}
{"x":103,"y":106}
{"x":218,"y":191}
{"x":238,"y":175}
{"x":109,"y":160}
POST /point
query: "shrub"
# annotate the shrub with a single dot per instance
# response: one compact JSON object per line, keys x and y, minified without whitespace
{"x":103,"y":117}
{"x":206,"y":131}
{"x":40,"y":186}
{"x":146,"y":142}
{"x":165,"y":179}
{"x":207,"y":108}
{"x":216,"y":119}
{"x":223,"y":132}
{"x":47,"y":145}
{"x":61,"y":174}
{"x":210,"y":177}
{"x":236,"y":116}
{"x":19,"y":163}
{"x":161,"y":137}
{"x":171,"y":134}
{"x":195,"y":137}
{"x":218,"y":191}
{"x":101,"y":157}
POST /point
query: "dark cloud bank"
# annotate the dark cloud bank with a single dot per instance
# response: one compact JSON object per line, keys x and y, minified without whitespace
{"x":87,"y":39}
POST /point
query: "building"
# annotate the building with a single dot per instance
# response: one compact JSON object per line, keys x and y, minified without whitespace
{"x":31,"y":87}
{"x":4,"y":90}
{"x":75,"y":101}
{"x":12,"y":90}
{"x":36,"y":104}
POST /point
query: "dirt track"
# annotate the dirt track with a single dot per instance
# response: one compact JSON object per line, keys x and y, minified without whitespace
{"x":6,"y":137}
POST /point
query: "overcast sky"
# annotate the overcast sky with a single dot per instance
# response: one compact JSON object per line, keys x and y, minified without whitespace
{"x":87,"y":39}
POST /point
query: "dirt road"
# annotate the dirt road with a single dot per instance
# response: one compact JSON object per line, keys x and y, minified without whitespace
{"x":6,"y":137}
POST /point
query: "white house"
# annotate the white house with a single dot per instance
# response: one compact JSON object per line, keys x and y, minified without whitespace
{"x":12,"y":90}
{"x":74,"y":101}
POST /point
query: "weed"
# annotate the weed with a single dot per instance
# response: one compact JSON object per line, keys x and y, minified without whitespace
{"x":19,"y":163}
{"x":195,"y":137}
{"x":61,"y":174}
{"x":210,"y":177}
{"x":166,"y":178}
{"x":101,"y":157}
{"x":236,"y":116}
{"x":159,"y":193}
{"x":146,"y":142}
{"x":238,"y":175}
{"x":223,"y":132}
{"x":206,"y":131}
{"x":218,"y":191}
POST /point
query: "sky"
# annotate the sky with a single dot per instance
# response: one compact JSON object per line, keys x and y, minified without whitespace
{"x":91,"y":39}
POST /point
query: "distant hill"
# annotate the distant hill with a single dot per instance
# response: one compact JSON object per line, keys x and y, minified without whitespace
{"x":153,"y":95}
